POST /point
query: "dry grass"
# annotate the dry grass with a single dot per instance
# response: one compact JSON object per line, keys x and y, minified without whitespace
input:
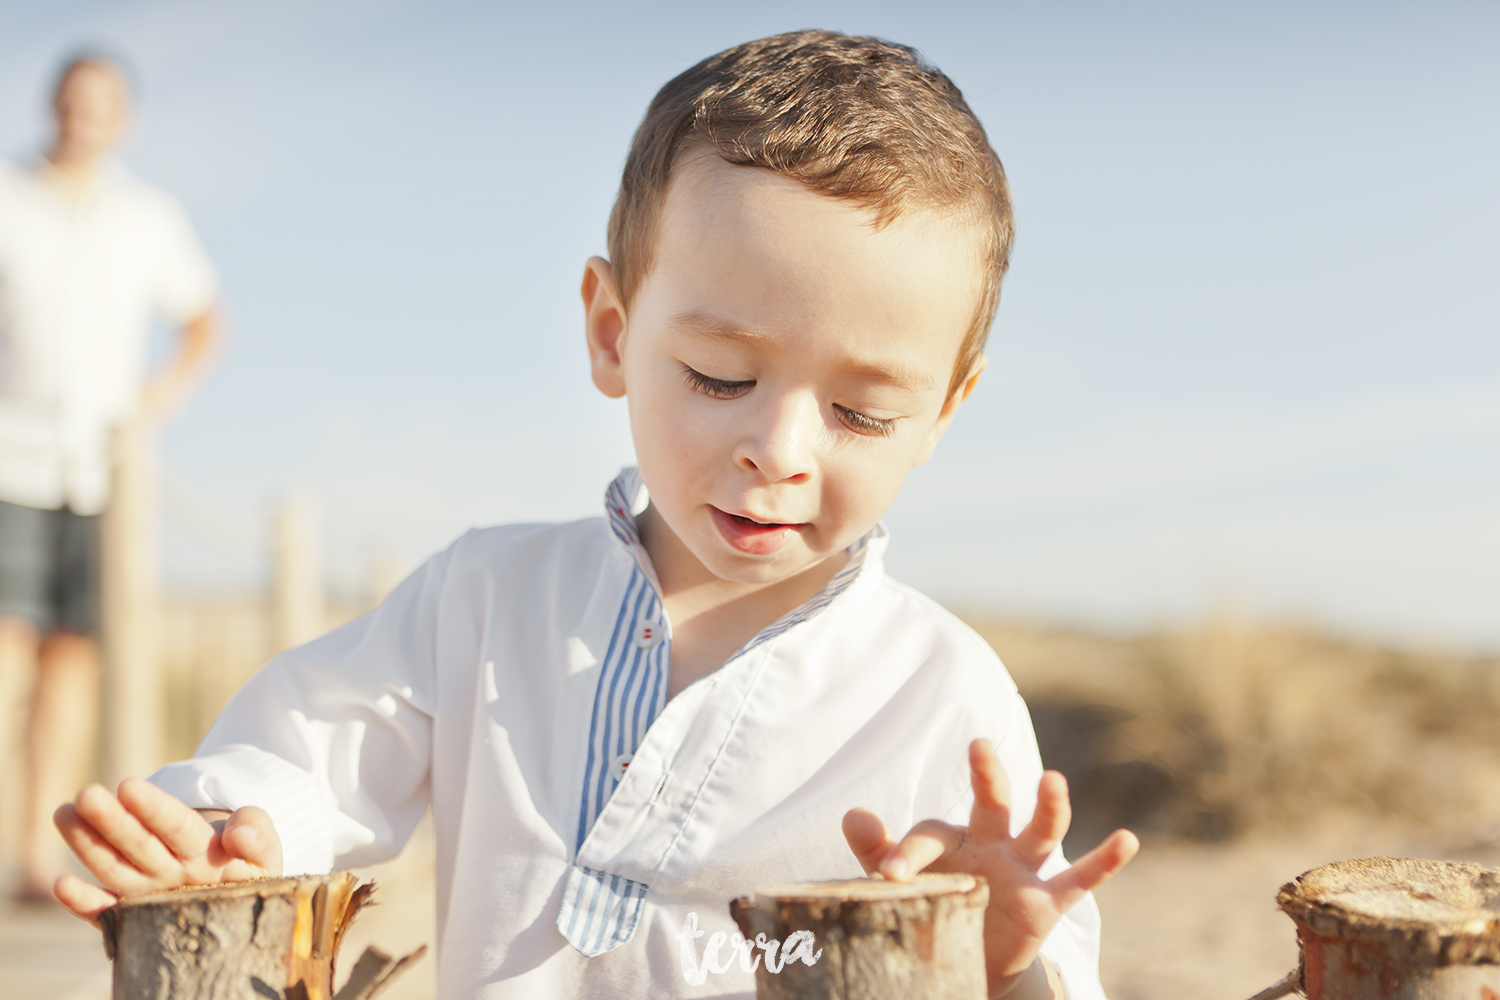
{"x":1223,"y":730}
{"x":1198,"y":735}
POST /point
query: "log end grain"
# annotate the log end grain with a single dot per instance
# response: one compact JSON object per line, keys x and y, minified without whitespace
{"x":1432,"y":913}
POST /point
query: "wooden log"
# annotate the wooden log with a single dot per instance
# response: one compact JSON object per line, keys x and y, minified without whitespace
{"x":266,"y":939}
{"x":918,"y":940}
{"x":1397,"y":929}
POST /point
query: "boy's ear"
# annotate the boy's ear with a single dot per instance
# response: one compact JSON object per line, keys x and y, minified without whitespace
{"x":604,"y":326}
{"x":950,"y":409}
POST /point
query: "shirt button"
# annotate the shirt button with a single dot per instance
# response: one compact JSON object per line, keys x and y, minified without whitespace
{"x":648,"y":633}
{"x":619,"y":764}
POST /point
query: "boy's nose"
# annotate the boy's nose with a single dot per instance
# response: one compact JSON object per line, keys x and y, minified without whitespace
{"x":780,"y":447}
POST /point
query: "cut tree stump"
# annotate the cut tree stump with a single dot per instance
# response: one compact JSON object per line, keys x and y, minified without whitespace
{"x":267,"y":939}
{"x":873,"y":939}
{"x":1396,"y":929}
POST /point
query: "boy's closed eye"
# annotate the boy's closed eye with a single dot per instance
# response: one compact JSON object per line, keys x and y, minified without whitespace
{"x":716,"y":387}
{"x":856,"y":421}
{"x":864,"y":424}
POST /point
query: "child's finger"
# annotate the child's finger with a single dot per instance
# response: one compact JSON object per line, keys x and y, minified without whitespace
{"x":928,"y":841}
{"x":124,"y":832}
{"x":1049,"y":824}
{"x":990,"y":819}
{"x":250,"y":836}
{"x":82,"y":900}
{"x":182,"y":830}
{"x":97,"y":854}
{"x":868,"y":838}
{"x":1093,"y":869}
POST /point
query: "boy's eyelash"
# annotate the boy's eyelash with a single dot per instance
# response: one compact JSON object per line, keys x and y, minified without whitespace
{"x":716,"y":387}
{"x":723,"y":389}
{"x":866,"y":425}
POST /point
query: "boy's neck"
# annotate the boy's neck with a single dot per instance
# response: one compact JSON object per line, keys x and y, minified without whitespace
{"x":713,"y":617}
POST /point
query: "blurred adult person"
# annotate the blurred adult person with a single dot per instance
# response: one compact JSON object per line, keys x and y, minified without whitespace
{"x":90,"y":257}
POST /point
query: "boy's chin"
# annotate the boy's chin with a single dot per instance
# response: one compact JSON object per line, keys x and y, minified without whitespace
{"x":751,"y":572}
{"x":760,"y":571}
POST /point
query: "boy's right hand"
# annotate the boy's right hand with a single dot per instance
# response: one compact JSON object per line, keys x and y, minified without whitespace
{"x":143,"y":840}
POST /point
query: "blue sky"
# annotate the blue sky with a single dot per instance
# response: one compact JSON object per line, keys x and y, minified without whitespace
{"x":1247,"y":360}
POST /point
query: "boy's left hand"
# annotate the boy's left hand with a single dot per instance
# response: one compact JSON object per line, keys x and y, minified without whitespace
{"x":1023,"y":907}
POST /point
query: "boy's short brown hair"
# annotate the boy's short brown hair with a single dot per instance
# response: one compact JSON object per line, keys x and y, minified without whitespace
{"x":850,"y":117}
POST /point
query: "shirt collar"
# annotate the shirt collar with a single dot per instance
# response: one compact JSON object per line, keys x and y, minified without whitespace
{"x":627,"y":497}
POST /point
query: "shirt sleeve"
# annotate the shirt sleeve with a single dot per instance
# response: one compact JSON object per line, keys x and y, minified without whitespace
{"x":185,"y":284}
{"x":332,"y":739}
{"x":1073,"y":945}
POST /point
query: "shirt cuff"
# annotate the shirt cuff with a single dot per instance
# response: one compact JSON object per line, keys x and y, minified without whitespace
{"x":237,"y":776}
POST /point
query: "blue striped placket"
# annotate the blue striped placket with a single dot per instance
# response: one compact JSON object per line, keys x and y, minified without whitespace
{"x":600,"y":910}
{"x":632,"y":690}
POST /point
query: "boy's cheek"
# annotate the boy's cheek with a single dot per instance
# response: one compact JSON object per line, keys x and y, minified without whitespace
{"x":864,"y":489}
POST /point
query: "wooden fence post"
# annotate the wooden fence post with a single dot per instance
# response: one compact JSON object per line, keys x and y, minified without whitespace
{"x":386,"y":570}
{"x":299,"y":608}
{"x":133,"y":709}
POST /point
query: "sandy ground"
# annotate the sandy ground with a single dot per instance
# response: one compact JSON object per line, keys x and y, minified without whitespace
{"x":45,"y":952}
{"x":1183,"y":922}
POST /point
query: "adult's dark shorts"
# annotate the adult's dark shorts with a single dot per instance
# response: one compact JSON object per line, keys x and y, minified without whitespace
{"x":49,"y":568}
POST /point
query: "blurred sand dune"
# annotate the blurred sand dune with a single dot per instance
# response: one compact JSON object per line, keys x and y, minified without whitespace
{"x":1228,"y":730}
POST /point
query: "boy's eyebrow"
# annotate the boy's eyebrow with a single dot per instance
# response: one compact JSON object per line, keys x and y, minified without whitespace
{"x":902,"y":376}
{"x":698,"y":321}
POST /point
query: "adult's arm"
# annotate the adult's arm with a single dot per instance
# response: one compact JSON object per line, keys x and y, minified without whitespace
{"x":198,"y":340}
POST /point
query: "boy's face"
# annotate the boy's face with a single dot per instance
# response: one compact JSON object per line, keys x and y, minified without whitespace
{"x":785,"y":365}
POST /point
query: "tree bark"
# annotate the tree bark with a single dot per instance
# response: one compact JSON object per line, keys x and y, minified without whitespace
{"x":267,"y":939}
{"x":873,"y":940}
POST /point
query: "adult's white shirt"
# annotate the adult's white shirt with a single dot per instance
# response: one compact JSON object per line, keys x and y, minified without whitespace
{"x":81,"y":281}
{"x":476,"y":687}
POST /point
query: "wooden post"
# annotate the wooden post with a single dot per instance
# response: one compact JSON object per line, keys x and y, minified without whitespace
{"x":918,"y":940}
{"x":130,"y":596}
{"x":1397,"y":929}
{"x":386,"y":570}
{"x":268,"y":938}
{"x":298,"y":604}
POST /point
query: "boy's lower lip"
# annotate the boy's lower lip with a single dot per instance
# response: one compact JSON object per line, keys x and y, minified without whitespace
{"x":751,"y":537}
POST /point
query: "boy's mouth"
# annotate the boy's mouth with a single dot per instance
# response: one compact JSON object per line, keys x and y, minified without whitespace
{"x":752,"y":537}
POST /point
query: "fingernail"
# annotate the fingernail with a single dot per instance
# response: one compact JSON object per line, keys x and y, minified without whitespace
{"x":897,"y":868}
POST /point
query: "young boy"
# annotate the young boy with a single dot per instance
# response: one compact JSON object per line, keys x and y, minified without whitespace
{"x":623,"y":723}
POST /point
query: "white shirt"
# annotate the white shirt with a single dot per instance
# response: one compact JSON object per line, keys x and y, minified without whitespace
{"x":480,"y":685}
{"x":80,"y":283}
